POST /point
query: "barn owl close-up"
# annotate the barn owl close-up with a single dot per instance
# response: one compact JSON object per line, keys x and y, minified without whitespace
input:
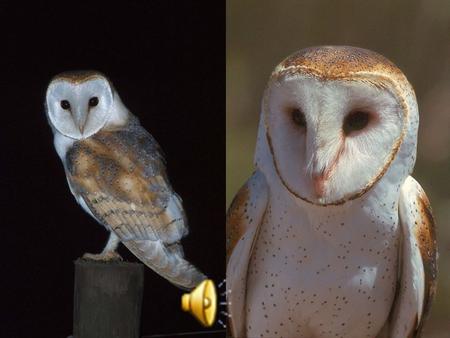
{"x":331,"y":236}
{"x":116,"y":171}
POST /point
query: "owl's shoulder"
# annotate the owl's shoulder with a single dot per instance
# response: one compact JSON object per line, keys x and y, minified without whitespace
{"x":418,"y":274}
{"x":115,"y":161}
{"x":129,"y":144}
{"x":247,"y":208}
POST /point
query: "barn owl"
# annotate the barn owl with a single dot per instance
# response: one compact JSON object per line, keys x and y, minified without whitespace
{"x":331,"y":236}
{"x":116,"y":171}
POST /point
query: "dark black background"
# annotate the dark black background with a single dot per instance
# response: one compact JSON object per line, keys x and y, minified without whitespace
{"x":167,"y":62}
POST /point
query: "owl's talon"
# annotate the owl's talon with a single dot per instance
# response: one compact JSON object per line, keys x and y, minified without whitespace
{"x":104,"y":256}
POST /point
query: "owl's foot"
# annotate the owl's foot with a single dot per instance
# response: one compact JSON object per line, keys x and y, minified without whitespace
{"x":107,"y":256}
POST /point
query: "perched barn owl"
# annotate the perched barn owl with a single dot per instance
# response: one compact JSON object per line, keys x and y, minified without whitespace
{"x":116,"y":171}
{"x":331,"y":236}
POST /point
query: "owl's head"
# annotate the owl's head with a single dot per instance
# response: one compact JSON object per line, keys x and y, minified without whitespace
{"x":81,"y":103}
{"x":334,"y":120}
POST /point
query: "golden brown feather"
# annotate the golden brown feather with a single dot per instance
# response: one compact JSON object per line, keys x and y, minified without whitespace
{"x":426,"y":238}
{"x":236,"y":226}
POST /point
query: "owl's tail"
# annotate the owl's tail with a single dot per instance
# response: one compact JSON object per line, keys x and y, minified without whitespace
{"x":167,"y":261}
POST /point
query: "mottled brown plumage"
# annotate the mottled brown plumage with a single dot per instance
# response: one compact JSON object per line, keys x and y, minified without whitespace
{"x":121,"y":177}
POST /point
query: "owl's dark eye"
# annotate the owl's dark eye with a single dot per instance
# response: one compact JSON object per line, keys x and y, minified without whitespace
{"x":298,"y":117}
{"x":93,"y":101}
{"x":356,"y":121}
{"x":65,"y":104}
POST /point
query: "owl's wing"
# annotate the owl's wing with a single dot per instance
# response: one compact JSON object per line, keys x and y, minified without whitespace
{"x":243,"y":221}
{"x":121,"y":179}
{"x":418,"y":269}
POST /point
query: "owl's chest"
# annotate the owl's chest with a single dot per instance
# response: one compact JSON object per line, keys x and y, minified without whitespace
{"x":316,"y":274}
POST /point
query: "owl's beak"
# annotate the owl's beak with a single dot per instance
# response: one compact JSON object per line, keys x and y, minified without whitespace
{"x":321,"y":176}
{"x":319,"y":181}
{"x":80,"y":119}
{"x":323,"y":165}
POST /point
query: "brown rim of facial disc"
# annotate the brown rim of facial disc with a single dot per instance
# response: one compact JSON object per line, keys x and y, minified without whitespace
{"x":79,"y":76}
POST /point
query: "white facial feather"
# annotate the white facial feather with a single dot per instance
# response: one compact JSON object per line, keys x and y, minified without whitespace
{"x":78,"y":110}
{"x":321,"y":153}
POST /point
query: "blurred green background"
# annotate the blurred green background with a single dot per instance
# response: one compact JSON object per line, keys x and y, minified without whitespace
{"x":415,"y":35}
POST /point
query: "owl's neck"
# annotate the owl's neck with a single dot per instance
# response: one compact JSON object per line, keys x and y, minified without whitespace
{"x":374,"y":213}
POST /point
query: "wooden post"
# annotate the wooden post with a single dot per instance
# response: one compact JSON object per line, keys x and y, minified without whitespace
{"x":107,"y":299}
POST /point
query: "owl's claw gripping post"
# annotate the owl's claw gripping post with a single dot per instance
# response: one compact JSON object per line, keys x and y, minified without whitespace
{"x":107,"y":256}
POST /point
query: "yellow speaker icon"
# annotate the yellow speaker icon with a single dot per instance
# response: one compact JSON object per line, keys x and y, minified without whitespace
{"x":202,"y":302}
